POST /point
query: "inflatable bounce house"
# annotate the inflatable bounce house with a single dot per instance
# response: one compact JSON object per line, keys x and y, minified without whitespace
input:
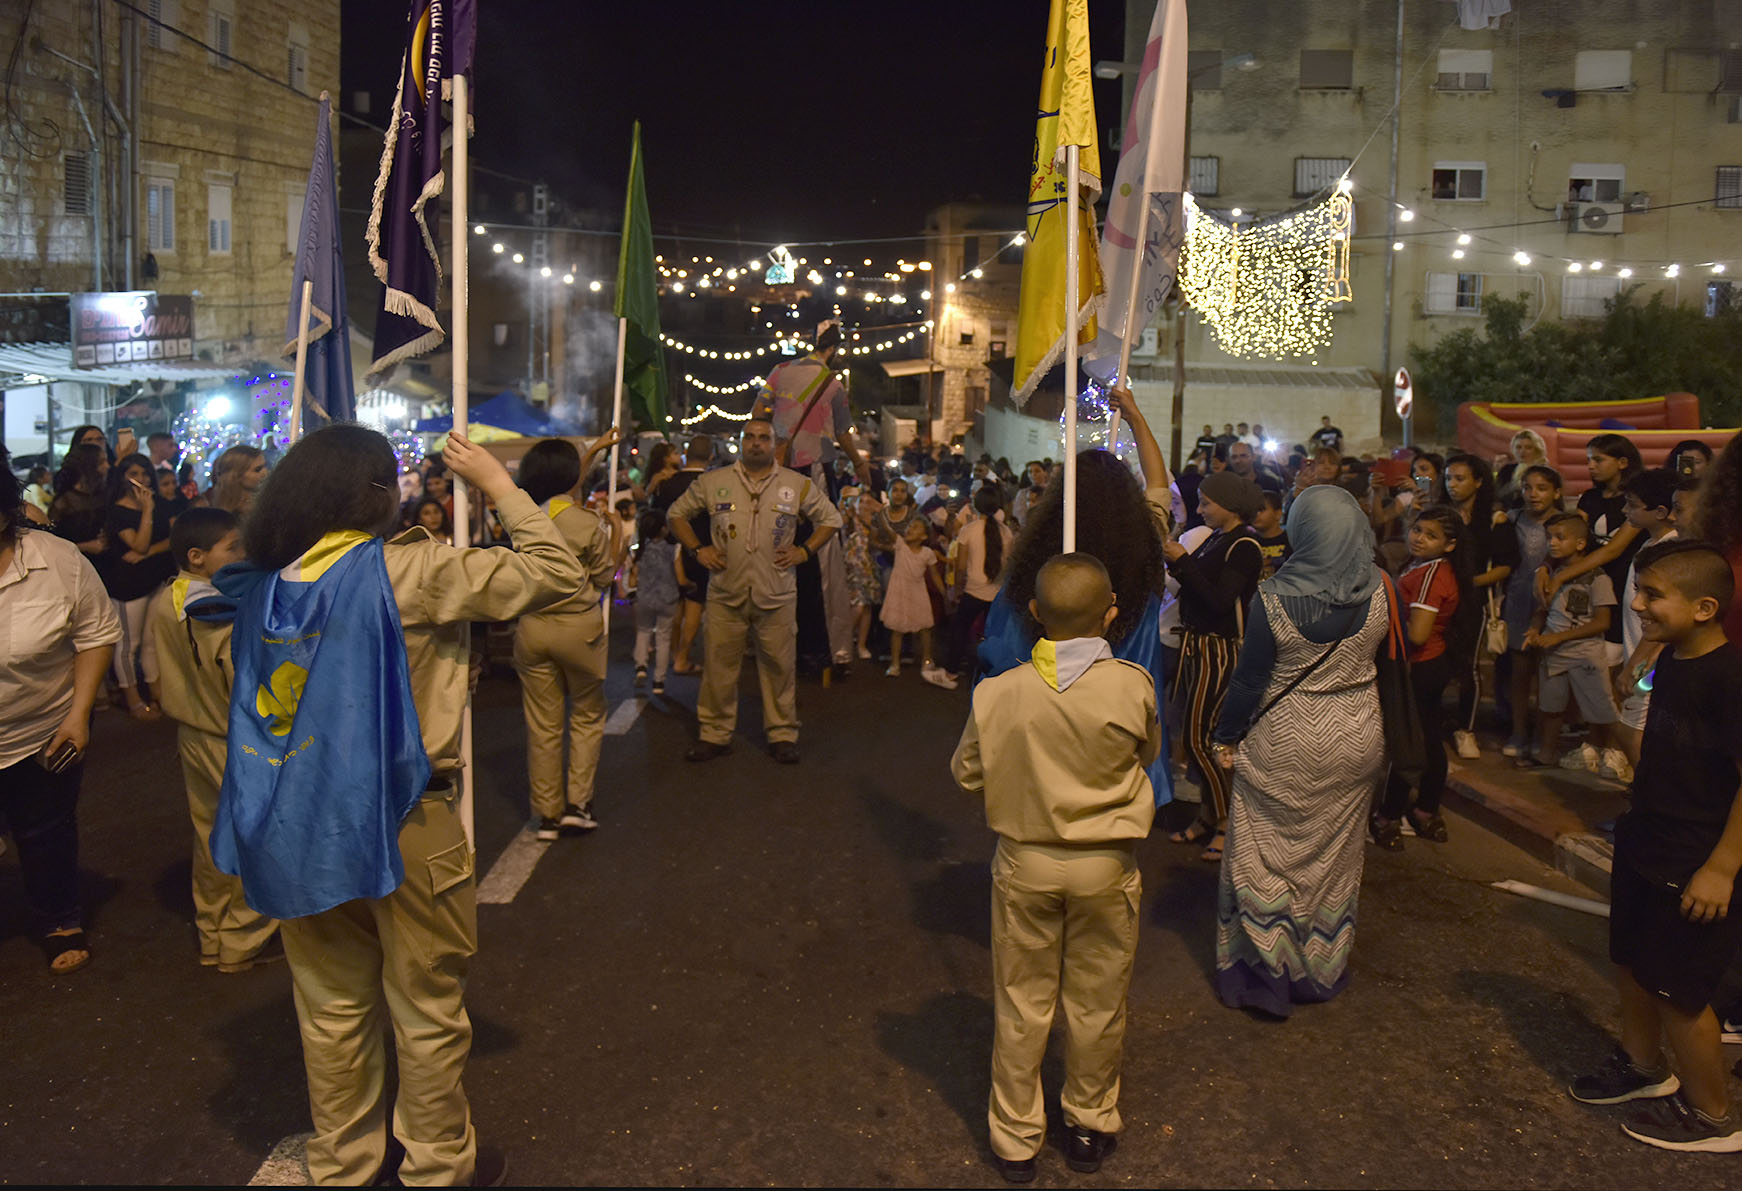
{"x":1655,"y":425}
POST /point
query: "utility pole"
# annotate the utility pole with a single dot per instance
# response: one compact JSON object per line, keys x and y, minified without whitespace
{"x":538,"y":294}
{"x":1385,"y":370}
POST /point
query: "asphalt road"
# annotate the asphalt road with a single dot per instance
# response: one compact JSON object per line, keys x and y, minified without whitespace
{"x":753,"y":974}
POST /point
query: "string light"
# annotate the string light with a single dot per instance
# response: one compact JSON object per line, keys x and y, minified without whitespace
{"x":724,"y":390}
{"x":714,"y":411}
{"x":1267,"y":288}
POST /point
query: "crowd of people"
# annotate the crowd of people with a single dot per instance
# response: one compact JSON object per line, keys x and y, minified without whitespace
{"x":1225,"y":633}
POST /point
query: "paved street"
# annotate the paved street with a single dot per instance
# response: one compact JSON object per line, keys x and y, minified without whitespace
{"x":760,"y":975}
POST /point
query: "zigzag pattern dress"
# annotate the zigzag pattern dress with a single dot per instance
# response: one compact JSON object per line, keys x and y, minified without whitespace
{"x":1304,"y":780}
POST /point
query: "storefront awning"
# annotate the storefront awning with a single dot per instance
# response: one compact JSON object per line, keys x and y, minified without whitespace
{"x":910,"y":367}
{"x":40,"y":363}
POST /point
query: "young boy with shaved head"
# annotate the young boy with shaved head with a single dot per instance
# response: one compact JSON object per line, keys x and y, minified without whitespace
{"x":1058,"y":749}
{"x":1676,"y":921}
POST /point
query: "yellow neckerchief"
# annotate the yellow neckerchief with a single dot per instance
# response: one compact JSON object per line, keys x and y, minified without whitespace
{"x":185,"y":586}
{"x":755,"y":489}
{"x":323,"y":554}
{"x":557,"y":504}
{"x":1061,"y":663}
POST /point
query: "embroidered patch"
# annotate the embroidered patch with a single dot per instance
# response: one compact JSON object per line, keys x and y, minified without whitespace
{"x":722,"y":491}
{"x":786,"y":494}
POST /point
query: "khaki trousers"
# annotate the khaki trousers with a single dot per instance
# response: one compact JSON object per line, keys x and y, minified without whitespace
{"x":230,"y":930}
{"x":1064,"y":931}
{"x":561,"y":656}
{"x":776,"y":633}
{"x":399,"y":959}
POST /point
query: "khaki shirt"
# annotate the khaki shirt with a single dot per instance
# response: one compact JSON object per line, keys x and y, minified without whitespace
{"x":588,"y":536}
{"x":194,"y":658}
{"x":1063,"y":767}
{"x":748,"y":523}
{"x":440,"y":589}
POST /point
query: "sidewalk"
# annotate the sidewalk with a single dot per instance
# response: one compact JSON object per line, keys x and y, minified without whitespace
{"x":1556,"y":810}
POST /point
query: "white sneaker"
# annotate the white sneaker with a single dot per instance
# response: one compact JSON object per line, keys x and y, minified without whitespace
{"x":1731,"y":1031}
{"x":579,"y":816}
{"x":1468,"y":749}
{"x":938,"y":676}
{"x":1582,"y":759}
{"x":1514,"y":748}
{"x":1614,"y":765}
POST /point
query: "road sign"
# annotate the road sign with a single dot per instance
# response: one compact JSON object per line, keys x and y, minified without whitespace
{"x":1402,"y":393}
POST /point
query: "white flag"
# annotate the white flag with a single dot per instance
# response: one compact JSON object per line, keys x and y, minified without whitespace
{"x":1151,"y":172}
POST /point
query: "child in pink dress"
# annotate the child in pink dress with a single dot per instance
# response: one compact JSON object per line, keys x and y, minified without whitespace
{"x":907,"y":604}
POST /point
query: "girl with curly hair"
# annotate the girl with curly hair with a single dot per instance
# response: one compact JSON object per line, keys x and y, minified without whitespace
{"x":1720,"y":521}
{"x":1126,"y":532}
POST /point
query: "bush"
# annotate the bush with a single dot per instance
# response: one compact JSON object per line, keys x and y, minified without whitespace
{"x":1638,"y":349}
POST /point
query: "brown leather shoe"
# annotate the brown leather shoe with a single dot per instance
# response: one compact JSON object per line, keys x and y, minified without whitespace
{"x":706,"y":750}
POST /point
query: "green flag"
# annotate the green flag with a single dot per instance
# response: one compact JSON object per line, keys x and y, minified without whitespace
{"x":638,"y":301}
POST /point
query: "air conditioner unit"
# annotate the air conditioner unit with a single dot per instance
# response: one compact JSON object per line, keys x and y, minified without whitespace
{"x":1600,"y":218}
{"x":1638,"y":202}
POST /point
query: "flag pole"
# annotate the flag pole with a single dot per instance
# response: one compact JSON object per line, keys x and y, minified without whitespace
{"x":1073,"y":175}
{"x":457,"y":231}
{"x":611,"y":482}
{"x":1132,"y":328}
{"x":300,"y":386}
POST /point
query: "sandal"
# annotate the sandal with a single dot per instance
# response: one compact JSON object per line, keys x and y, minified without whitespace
{"x":1196,"y":833}
{"x":1213,"y":853}
{"x":1387,"y":833}
{"x":70,"y":946}
{"x":1432,"y":827}
{"x":144,"y":712}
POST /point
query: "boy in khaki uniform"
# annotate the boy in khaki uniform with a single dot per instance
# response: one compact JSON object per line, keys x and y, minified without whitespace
{"x":1058,"y":749}
{"x":193,"y":653}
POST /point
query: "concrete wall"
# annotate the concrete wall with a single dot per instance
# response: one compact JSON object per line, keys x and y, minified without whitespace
{"x":199,"y":123}
{"x":1670,"y":131}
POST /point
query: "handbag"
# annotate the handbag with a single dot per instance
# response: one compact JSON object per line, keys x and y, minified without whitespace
{"x":1404,"y":744}
{"x":1494,"y":636}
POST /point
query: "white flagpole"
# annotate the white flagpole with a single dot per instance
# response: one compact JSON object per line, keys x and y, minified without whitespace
{"x":1073,"y":173}
{"x":457,"y":232}
{"x":1132,"y":329}
{"x":300,"y":386}
{"x":611,"y":482}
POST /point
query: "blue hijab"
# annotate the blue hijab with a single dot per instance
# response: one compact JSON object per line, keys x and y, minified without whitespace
{"x":1330,"y":565}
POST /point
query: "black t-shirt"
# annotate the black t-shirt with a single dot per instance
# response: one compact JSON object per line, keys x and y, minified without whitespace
{"x":1216,"y":581}
{"x":1690,"y":764}
{"x":1607,"y":515}
{"x":1327,"y":436}
{"x":1206,"y":443}
{"x":132,"y":580}
{"x":1275,"y":553}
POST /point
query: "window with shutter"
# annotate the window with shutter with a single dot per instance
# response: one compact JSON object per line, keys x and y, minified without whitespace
{"x":1313,"y":174}
{"x":1587,"y":297}
{"x":1454,"y":180}
{"x":77,"y":168}
{"x":218,"y":200}
{"x":222,"y":25}
{"x":160,"y":215}
{"x":296,"y":56}
{"x":1327,"y":70}
{"x":1729,"y":187}
{"x":1453,"y":293}
{"x":1465,"y":70}
{"x":1603,"y":70}
{"x":1204,"y":69}
{"x":1206,"y":176}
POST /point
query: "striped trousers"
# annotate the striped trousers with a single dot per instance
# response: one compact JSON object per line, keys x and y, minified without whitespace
{"x":1205,"y":664}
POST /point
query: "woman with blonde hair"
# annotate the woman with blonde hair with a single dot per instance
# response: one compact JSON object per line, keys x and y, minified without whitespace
{"x":236,"y":477}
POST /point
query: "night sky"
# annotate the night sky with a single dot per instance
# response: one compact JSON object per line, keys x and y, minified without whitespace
{"x":771,"y":121}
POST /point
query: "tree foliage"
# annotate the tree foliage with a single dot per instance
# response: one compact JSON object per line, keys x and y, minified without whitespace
{"x":1638,"y":349}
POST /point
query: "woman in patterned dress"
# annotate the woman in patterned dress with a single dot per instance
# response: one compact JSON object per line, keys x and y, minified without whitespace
{"x":1306,"y":772}
{"x":864,"y":576}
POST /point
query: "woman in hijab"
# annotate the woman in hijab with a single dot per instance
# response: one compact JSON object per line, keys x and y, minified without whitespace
{"x":1300,"y":731}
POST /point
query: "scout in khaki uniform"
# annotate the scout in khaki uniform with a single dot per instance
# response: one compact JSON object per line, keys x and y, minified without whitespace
{"x":1058,"y":749}
{"x":753,"y":508}
{"x":560,"y":651}
{"x":193,"y":654}
{"x":400,"y":958}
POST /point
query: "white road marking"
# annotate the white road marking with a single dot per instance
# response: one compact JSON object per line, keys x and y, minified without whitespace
{"x":286,"y":1165}
{"x":623,"y":719}
{"x":511,"y":869}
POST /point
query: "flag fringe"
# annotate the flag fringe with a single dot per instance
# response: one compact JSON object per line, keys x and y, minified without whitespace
{"x":324,"y":323}
{"x":416,"y":347}
{"x":432,"y":188}
{"x":1090,"y":309}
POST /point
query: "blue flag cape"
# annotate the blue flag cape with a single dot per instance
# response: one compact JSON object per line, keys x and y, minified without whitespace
{"x":1007,"y":646}
{"x":325,"y":754}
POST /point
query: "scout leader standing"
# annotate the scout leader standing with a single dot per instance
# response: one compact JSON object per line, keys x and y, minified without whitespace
{"x":753,"y":509}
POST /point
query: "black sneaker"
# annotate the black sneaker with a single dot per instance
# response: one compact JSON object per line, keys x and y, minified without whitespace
{"x":550,"y":830}
{"x":578,"y":817}
{"x":1618,"y":1081}
{"x":706,"y":750}
{"x":784,"y":751}
{"x":659,"y":686}
{"x":1673,"y":1124}
{"x":1015,"y":1170}
{"x":1086,"y":1148}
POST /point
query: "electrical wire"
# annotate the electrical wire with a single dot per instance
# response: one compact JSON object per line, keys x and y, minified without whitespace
{"x":44,"y":139}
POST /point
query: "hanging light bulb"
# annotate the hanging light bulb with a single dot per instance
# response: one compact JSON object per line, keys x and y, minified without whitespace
{"x":1463,"y":237}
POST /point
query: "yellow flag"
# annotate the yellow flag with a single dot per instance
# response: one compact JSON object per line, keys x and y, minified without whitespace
{"x":1066,"y":117}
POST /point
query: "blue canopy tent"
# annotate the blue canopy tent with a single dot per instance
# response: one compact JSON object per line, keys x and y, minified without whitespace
{"x":507,"y":411}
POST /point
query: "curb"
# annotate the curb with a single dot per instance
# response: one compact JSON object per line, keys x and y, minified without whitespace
{"x":1553,"y":822}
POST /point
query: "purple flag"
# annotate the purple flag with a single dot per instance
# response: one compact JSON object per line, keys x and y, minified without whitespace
{"x":327,"y":377}
{"x":439,"y":40}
